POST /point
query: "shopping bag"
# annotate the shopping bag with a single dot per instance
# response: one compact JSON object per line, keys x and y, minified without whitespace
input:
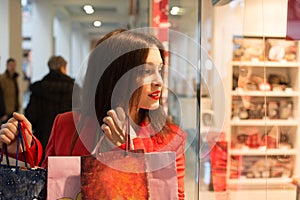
{"x":218,"y":157}
{"x":162,"y":175}
{"x":129,"y":175}
{"x":21,"y":183}
{"x":63,"y":177}
{"x":114,"y":175}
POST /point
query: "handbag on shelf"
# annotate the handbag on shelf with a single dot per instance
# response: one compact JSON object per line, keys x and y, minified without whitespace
{"x":21,"y":182}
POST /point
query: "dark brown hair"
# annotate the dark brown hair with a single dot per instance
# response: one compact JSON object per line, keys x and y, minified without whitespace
{"x":10,"y":60}
{"x":56,"y":62}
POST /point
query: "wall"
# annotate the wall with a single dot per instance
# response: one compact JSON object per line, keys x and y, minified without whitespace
{"x":4,"y":35}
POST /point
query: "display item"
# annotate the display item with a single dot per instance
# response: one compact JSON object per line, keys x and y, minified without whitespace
{"x":255,"y":112}
{"x":243,"y":114}
{"x":285,"y":109}
{"x":273,"y":110}
{"x":253,"y":140}
{"x":269,"y":141}
{"x":264,"y":87}
{"x":248,"y":49}
{"x":281,"y":50}
{"x":284,"y":142}
{"x":278,"y":82}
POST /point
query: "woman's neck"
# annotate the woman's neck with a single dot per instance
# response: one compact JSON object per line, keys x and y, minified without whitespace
{"x":134,"y":115}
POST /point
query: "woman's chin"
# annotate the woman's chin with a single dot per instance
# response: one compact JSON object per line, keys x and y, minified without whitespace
{"x":151,"y":107}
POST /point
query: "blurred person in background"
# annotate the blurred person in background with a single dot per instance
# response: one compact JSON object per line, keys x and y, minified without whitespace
{"x":10,"y":89}
{"x":50,"y":96}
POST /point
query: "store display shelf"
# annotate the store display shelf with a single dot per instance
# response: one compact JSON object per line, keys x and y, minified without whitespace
{"x":262,"y":152}
{"x":264,"y":122}
{"x":265,"y":64}
{"x":259,"y":181}
{"x":240,"y":92}
{"x":269,"y":115}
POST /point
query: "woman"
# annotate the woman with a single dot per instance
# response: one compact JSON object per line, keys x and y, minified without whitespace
{"x":129,"y":66}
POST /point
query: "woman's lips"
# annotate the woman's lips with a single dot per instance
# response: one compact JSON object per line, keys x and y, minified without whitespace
{"x":155,"y":95}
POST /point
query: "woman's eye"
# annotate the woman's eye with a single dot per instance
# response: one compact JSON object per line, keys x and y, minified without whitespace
{"x":147,"y":71}
{"x":160,"y":69}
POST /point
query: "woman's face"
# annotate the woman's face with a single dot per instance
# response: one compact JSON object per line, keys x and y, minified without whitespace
{"x":151,"y":80}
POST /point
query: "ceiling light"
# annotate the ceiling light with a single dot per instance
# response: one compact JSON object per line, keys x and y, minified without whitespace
{"x":175,"y":10}
{"x":24,"y":2}
{"x":88,"y":9}
{"x":97,"y":23}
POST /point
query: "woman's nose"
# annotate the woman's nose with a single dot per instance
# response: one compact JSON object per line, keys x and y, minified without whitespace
{"x":157,"y":80}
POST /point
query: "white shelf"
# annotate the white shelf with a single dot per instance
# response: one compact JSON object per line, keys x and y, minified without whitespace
{"x":260,"y":181}
{"x":265,"y":93}
{"x":263,"y":69}
{"x":263,"y":122}
{"x":262,"y":152}
{"x":265,"y":64}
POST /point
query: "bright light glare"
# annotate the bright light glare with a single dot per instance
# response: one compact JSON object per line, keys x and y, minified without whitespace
{"x":97,"y":23}
{"x":88,"y":9}
{"x":174,"y":10}
{"x":24,"y":2}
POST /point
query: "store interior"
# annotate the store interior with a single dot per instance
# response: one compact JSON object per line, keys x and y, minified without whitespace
{"x":248,"y":45}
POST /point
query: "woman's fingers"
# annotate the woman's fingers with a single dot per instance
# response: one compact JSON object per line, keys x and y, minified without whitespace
{"x":119,"y":122}
{"x":114,"y":125}
{"x":116,"y":131}
{"x":113,"y":136}
{"x":11,"y":127}
{"x":5,"y":139}
{"x":107,"y":131}
{"x":121,"y":113}
{"x":20,"y":117}
{"x":8,"y":132}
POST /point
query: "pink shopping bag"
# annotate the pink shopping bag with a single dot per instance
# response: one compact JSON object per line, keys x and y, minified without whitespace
{"x":63,"y":178}
{"x":162,"y":175}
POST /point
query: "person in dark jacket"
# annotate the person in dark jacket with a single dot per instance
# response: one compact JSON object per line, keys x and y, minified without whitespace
{"x":51,"y":95}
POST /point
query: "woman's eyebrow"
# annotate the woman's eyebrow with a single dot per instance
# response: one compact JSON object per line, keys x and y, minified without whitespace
{"x":153,"y":64}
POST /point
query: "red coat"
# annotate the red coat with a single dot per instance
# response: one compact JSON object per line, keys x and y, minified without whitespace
{"x":62,"y":136}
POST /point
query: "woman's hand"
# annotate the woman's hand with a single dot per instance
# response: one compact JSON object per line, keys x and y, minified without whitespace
{"x":9,"y":132}
{"x":114,"y":126}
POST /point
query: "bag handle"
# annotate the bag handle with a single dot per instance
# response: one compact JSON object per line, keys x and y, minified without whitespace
{"x":4,"y":148}
{"x":31,"y":159}
{"x":127,"y":134}
{"x":19,"y":141}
